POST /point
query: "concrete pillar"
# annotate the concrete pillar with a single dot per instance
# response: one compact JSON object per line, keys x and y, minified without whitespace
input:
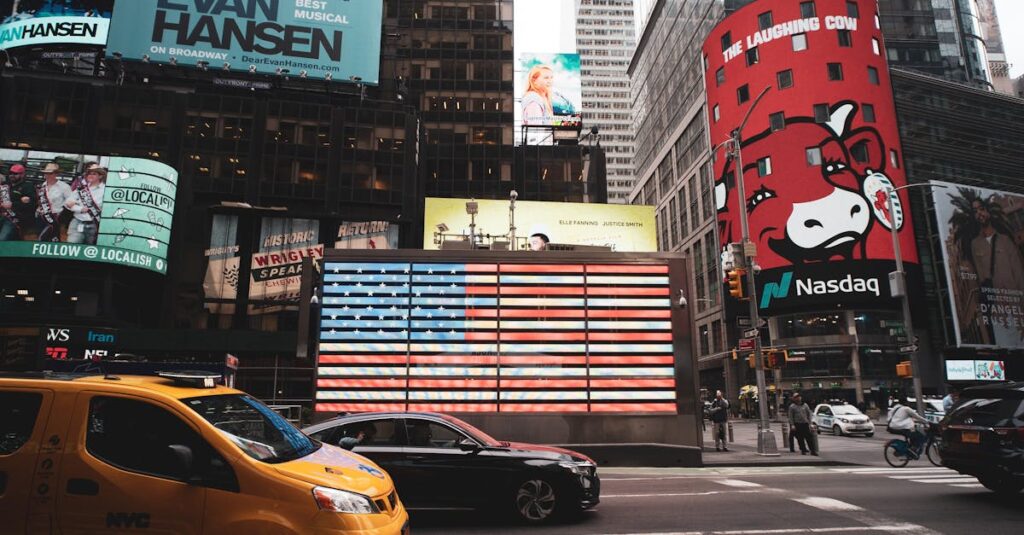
{"x":858,"y":380}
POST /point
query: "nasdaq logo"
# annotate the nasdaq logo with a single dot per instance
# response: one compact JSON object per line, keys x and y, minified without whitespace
{"x":776,"y":290}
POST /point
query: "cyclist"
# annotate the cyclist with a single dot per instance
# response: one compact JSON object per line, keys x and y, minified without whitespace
{"x":901,"y":422}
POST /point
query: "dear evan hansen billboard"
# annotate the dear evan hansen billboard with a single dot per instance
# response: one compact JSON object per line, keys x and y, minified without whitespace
{"x":56,"y":24}
{"x":821,"y":153}
{"x":321,"y":39}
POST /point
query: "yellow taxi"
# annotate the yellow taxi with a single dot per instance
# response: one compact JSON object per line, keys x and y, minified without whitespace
{"x":174,"y":453}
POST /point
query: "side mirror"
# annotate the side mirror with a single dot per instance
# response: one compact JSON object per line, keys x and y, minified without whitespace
{"x":183,"y":459}
{"x":468,"y":445}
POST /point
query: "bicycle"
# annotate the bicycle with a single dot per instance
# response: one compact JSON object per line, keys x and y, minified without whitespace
{"x":899,"y":452}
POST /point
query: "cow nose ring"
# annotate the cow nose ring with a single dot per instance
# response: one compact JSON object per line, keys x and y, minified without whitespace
{"x":855,"y":210}
{"x":811,"y":223}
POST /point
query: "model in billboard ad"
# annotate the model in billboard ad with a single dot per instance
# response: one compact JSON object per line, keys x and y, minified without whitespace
{"x":821,"y":153}
{"x":86,"y":207}
{"x":551,"y":92}
{"x":56,"y":22}
{"x":982,"y":232}
{"x":322,"y":39}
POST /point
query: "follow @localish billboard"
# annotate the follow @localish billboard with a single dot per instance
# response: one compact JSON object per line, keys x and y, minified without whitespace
{"x":45,"y":22}
{"x":821,"y":152}
{"x":86,"y":207}
{"x":322,"y":39}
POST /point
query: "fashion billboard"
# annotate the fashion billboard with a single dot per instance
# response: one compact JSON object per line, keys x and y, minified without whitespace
{"x":548,"y":86}
{"x":982,"y":233}
{"x":321,"y":39}
{"x":975,"y":370}
{"x":625,"y":228}
{"x":820,"y":151}
{"x":86,"y":207}
{"x":56,"y":22}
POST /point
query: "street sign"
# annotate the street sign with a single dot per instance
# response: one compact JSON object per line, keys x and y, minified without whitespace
{"x":743,"y":322}
{"x":747,"y":344}
{"x":751,"y":333}
{"x":908,"y":349}
{"x":749,"y":249}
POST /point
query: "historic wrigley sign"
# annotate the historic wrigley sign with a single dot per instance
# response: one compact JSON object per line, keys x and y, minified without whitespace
{"x":323,"y":39}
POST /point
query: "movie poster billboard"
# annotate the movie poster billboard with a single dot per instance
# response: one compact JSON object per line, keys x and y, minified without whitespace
{"x":366,"y":235}
{"x":56,"y":23}
{"x":275,"y":274}
{"x":86,"y":207}
{"x":624,"y":228}
{"x":821,"y":153}
{"x":982,"y":233}
{"x":222,"y":265}
{"x":324,"y":39}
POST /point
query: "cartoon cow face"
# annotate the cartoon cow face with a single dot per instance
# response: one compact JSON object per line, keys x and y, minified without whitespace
{"x":802,"y":212}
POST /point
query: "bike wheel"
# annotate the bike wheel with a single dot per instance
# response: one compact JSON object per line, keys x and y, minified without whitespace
{"x":893,"y":454}
{"x":933,"y":453}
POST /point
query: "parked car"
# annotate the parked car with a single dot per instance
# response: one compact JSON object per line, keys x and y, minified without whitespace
{"x":842,"y":419}
{"x":101,"y":454}
{"x":441,"y":462}
{"x":934,"y":412}
{"x":983,"y":436}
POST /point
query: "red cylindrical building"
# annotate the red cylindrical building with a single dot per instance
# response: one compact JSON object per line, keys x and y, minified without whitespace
{"x":819,"y":152}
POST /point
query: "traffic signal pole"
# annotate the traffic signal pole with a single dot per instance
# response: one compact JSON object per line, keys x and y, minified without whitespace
{"x":766,"y":444}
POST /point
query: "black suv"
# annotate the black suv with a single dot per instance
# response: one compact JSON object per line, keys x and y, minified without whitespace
{"x":983,"y":436}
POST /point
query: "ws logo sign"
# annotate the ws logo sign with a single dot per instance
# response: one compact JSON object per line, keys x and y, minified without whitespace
{"x":816,"y":287}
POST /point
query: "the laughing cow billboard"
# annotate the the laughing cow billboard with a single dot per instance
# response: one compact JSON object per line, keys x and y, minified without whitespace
{"x":820,"y":151}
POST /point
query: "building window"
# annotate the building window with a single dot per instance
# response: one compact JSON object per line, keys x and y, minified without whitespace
{"x":743,"y":94}
{"x":813,"y":155}
{"x":876,"y":47}
{"x":835,"y":71}
{"x":785,"y":78}
{"x":860,"y":152}
{"x":852,"y":11}
{"x":821,"y":113}
{"x":752,"y":56}
{"x":878,"y":22}
{"x":715,"y":113}
{"x":704,"y":342}
{"x":799,"y":42}
{"x":716,"y":335}
{"x":845,"y":38}
{"x":764,"y":166}
{"x":873,"y":75}
{"x":869,"y":113}
{"x":726,"y":41}
{"x":764,"y":20}
{"x":894,"y":158}
{"x":777,"y":121}
{"x":720,"y":76}
{"x":807,"y":10}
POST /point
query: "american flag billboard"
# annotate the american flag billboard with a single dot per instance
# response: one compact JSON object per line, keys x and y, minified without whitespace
{"x":496,"y":337}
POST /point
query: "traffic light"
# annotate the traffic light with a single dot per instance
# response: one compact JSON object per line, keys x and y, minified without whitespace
{"x":771,"y":360}
{"x":735,"y":282}
{"x":904,"y":369}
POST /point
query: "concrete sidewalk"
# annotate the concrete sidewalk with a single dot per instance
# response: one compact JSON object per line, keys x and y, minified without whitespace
{"x":743,"y":449}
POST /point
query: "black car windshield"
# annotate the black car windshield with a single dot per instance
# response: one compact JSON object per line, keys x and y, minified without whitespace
{"x":260,"y":432}
{"x":478,"y":435}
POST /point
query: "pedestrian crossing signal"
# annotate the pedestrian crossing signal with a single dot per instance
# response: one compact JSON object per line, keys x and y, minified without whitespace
{"x":734,"y":280}
{"x":904,"y":369}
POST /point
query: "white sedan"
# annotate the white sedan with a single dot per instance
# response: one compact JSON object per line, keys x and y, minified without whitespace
{"x":842,"y":420}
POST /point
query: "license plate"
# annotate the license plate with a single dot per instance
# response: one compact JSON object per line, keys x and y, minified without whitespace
{"x":970,"y":437}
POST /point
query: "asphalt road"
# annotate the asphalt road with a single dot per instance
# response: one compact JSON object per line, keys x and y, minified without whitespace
{"x":869,"y":497}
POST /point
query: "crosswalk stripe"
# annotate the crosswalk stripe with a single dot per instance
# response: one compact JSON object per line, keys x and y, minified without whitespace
{"x":971,"y":486}
{"x":736,"y":483}
{"x":878,"y":470}
{"x":949,"y":480}
{"x":930,"y":476}
{"x":827,"y":504}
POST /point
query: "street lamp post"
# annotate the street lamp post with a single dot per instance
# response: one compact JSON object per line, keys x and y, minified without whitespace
{"x":900,"y":284}
{"x":766,"y":444}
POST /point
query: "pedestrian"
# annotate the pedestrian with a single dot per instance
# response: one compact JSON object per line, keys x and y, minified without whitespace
{"x":719,"y":416}
{"x":800,"y":421}
{"x":951,"y":399}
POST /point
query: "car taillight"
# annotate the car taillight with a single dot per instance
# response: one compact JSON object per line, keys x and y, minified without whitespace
{"x":1010,"y":433}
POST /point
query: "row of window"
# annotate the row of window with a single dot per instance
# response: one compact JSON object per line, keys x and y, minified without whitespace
{"x":784,"y":80}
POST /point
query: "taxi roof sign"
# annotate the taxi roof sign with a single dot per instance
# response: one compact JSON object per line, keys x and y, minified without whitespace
{"x":194,"y":379}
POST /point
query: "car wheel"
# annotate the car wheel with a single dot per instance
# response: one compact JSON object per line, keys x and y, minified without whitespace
{"x":1002,"y":484}
{"x":534,"y":501}
{"x":837,"y":431}
{"x":869,"y":435}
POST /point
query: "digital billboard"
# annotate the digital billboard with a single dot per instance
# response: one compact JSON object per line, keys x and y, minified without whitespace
{"x":624,"y":228}
{"x":56,"y":23}
{"x":982,"y":233}
{"x":503,"y":336}
{"x":86,"y":207}
{"x":548,"y":86}
{"x":821,"y":151}
{"x":320,"y":39}
{"x":366,"y":235}
{"x":275,"y":273}
{"x":975,"y":370}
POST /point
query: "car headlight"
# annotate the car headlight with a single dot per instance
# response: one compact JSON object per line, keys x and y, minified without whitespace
{"x":844,"y":420}
{"x":580,"y":468}
{"x":340,"y":501}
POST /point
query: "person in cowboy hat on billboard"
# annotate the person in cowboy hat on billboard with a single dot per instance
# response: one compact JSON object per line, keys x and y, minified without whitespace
{"x":52,"y":194}
{"x":17,"y":204}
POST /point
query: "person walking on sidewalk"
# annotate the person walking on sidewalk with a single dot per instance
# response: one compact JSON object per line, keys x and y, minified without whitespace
{"x":719,"y":416}
{"x":800,"y":421}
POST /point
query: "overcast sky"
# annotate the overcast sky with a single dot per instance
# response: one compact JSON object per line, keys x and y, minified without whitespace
{"x":1011,"y":14}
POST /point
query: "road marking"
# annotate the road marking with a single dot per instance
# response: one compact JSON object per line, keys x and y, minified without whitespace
{"x":887,"y":528}
{"x":930,"y":476}
{"x":970,"y":486}
{"x":878,"y":470}
{"x":827,"y":504}
{"x":673,"y":494}
{"x":948,"y":480}
{"x":736,"y":483}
